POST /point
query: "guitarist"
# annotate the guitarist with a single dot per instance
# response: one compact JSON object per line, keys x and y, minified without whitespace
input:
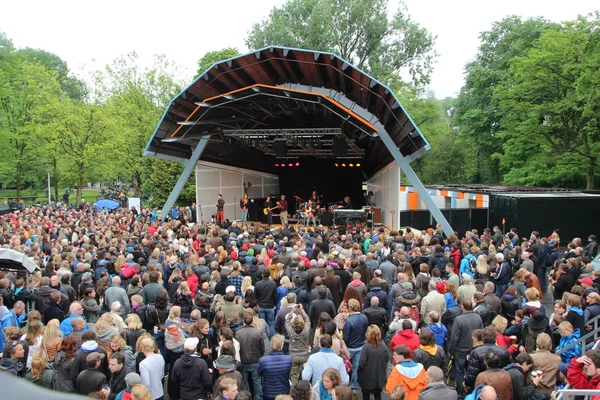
{"x":268,"y":207}
{"x":310,"y":213}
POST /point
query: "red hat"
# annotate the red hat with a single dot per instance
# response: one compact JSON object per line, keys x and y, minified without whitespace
{"x":587,"y":281}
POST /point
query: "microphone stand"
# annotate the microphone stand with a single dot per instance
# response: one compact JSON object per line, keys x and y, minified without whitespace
{"x":234,"y":208}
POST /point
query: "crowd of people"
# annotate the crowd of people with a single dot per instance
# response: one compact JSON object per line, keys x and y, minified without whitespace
{"x":126,"y":305}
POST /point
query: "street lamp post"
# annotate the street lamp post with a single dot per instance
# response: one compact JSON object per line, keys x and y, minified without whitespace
{"x":48,"y":170}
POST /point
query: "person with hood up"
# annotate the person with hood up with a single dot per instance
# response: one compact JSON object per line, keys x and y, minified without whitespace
{"x":429,"y":353}
{"x":89,"y":345}
{"x":375,"y":291}
{"x":406,"y":373}
{"x":190,"y":373}
{"x":405,"y":337}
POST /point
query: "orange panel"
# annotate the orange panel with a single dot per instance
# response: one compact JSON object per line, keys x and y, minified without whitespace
{"x":479,"y":203}
{"x":444,"y":193}
{"x":403,"y":188}
{"x":413,"y":201}
{"x":460,"y":195}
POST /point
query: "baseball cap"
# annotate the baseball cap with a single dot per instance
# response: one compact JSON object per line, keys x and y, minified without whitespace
{"x":230,"y":289}
{"x":191,"y":343}
{"x":587,"y":281}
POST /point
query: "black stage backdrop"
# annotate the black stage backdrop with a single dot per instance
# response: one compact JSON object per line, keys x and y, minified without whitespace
{"x":321,"y":175}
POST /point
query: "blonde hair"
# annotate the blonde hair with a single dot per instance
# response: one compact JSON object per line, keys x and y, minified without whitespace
{"x":573,"y":300}
{"x":118,"y":339}
{"x":104,"y":323}
{"x":500,"y":323}
{"x":175,"y":312}
{"x":133,"y":322}
{"x":52,"y":331}
{"x":34,"y":327}
{"x":565,"y":327}
{"x":184,"y":289}
{"x":285,"y":282}
{"x":532,"y":294}
{"x":38,"y":364}
{"x":482,"y":266}
{"x":543,"y":341}
{"x":246,"y":284}
{"x":141,"y":392}
{"x":146,"y":344}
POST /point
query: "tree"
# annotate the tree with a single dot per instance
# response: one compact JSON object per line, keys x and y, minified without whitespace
{"x":213,"y":57}
{"x":25,"y":88}
{"x":137,"y":97}
{"x":550,"y":107}
{"x":358,"y":30}
{"x":160,"y":178}
{"x":477,"y":108}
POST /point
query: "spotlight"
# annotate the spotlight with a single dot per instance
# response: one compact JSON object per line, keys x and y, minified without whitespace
{"x":358,"y":164}
{"x":282,"y":165}
{"x":337,"y":165}
{"x":351,"y":165}
{"x":297,"y":164}
{"x":343,"y":165}
{"x":277,"y":165}
{"x":290,"y":165}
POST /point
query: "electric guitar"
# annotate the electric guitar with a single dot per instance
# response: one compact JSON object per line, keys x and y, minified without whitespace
{"x":267,"y":210}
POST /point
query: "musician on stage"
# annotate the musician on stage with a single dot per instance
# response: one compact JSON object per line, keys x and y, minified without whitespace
{"x":347,"y":204}
{"x":244,"y":208}
{"x":268,"y":205}
{"x":310,"y":213}
{"x":283,"y":206}
{"x":315,"y":198}
{"x":220,"y":217}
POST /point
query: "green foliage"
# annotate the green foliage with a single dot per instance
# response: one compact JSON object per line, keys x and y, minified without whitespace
{"x":213,"y":57}
{"x":550,"y":107}
{"x":358,"y":30}
{"x":159,"y":179}
{"x":477,"y":107}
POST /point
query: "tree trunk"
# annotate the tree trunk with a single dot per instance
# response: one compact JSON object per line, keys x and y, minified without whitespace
{"x":80,"y":184}
{"x":55,"y":178}
{"x":138,"y":183}
{"x":19,"y":181}
{"x":589,"y":175}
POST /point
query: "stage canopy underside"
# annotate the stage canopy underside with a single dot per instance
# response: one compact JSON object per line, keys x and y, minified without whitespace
{"x":316,"y":103}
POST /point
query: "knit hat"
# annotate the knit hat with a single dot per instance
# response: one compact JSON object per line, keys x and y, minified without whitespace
{"x":86,"y":277}
{"x":132,"y":379}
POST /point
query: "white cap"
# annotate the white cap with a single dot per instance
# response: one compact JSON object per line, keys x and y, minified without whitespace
{"x":230,"y":289}
{"x":191,"y":343}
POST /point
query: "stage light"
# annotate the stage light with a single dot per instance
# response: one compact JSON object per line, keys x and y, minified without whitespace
{"x":277,"y":165}
{"x":351,"y":165}
{"x":297,"y":164}
{"x":337,"y":165}
{"x":343,"y":165}
{"x":290,"y":165}
{"x":282,"y":165}
{"x":358,"y":164}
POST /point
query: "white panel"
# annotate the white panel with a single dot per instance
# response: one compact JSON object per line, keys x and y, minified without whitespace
{"x":208,"y":178}
{"x":254,"y":179}
{"x":230,"y":178}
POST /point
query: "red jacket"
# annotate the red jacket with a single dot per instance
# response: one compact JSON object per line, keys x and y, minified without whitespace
{"x":192,"y":282}
{"x":407,"y":337}
{"x":580,"y":380}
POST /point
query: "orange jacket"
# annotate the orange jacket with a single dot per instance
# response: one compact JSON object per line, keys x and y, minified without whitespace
{"x":411,"y":376}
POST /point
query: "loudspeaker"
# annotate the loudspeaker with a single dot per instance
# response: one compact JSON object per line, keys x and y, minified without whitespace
{"x":340,"y":147}
{"x":280,"y":147}
{"x":326,"y":219}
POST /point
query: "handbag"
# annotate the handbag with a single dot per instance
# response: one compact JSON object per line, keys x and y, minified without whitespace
{"x":347,"y":363}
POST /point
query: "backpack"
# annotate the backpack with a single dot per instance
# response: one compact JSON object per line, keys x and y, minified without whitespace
{"x":414,"y":314}
{"x":150,"y":314}
{"x":472,"y":263}
{"x":440,"y":263}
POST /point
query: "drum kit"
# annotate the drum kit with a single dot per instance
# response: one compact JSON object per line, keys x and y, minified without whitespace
{"x":302,"y":207}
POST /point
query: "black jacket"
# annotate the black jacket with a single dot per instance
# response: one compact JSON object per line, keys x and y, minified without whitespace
{"x":266,"y":293}
{"x":450,"y":315}
{"x":510,"y":305}
{"x":521,"y":391}
{"x":117,"y":383}
{"x":52,"y":312}
{"x":438,"y":391}
{"x":485,"y":312}
{"x":252,"y":345}
{"x":377,"y":316}
{"x":372,"y":367}
{"x":90,"y":380}
{"x":476,"y":364}
{"x":190,"y":372}
{"x":462,"y":327}
{"x":423,"y":357}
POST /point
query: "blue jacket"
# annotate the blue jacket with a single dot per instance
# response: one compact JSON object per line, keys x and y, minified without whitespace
{"x":465,"y":267}
{"x":354,"y":330}
{"x":376,"y":291}
{"x":450,"y":302}
{"x":439,"y":332}
{"x":9,"y":318}
{"x":575,"y":351}
{"x":275,"y":369}
{"x":66,"y":327}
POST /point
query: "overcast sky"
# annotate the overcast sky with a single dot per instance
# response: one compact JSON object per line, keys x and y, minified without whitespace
{"x":79,"y":31}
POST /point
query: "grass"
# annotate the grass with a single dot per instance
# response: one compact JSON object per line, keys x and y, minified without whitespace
{"x":42,"y":195}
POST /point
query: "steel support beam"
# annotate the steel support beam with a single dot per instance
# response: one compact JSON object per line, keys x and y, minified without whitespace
{"x":404,"y":164}
{"x":187,"y":171}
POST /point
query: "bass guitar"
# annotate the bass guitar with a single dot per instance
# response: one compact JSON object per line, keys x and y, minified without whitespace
{"x":266,"y":211}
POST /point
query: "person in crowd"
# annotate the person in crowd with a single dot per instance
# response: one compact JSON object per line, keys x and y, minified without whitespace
{"x":190,"y":373}
{"x":436,"y":388}
{"x":324,"y":389}
{"x":584,"y":371}
{"x":118,"y":373}
{"x":13,"y":317}
{"x":91,"y":379}
{"x":517,"y":370}
{"x":13,"y":352}
{"x":374,"y":358}
{"x":406,"y":373}
{"x":252,"y":348}
{"x":323,"y":359}
{"x":476,"y":363}
{"x":228,"y":390}
{"x":275,"y":369}
{"x":298,"y":329}
{"x":353,"y":333}
{"x":405,"y":336}
{"x":495,"y":377}
{"x":152,"y":368}
{"x":547,"y":362}
{"x":429,"y":353}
